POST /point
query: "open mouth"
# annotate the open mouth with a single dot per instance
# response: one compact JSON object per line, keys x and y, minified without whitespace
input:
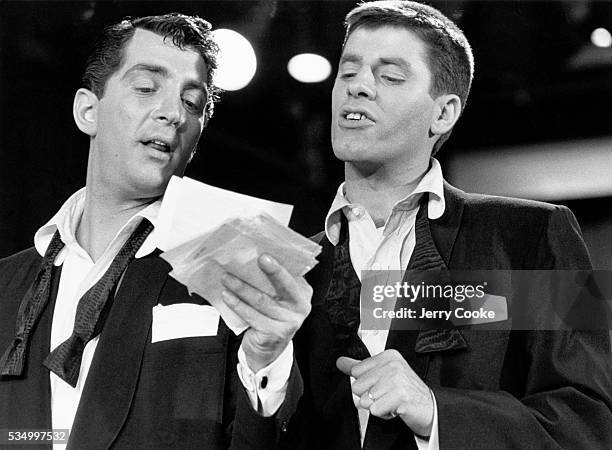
{"x":158,"y":145}
{"x":355,"y":116}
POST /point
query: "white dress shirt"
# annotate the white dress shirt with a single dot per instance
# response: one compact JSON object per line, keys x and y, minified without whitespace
{"x":80,"y":273}
{"x":386,"y":248}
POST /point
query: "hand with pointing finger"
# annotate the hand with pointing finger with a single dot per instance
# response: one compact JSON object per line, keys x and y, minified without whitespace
{"x":274,"y":320}
{"x":388,"y":387}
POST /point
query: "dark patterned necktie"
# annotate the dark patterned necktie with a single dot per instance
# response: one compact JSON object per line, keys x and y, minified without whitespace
{"x":65,"y":360}
{"x":30,"y":310}
{"x":342,"y":302}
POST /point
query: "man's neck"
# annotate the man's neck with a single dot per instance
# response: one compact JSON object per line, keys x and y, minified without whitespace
{"x":378,"y":191}
{"x":102,"y":219}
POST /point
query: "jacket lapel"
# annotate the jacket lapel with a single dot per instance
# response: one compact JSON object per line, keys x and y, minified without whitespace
{"x":427,"y":263}
{"x":436,"y":240}
{"x":25,"y":401}
{"x":115,"y":370}
{"x":444,"y":230}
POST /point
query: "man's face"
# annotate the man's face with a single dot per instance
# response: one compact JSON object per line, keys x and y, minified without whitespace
{"x":381,"y":106}
{"x":150,"y":117}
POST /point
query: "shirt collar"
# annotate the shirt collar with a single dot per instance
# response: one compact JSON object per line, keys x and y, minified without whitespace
{"x":431,"y":183}
{"x":68,"y":217}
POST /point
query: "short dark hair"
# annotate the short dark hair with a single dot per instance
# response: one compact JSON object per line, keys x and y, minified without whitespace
{"x":449,"y":55}
{"x":190,"y":32}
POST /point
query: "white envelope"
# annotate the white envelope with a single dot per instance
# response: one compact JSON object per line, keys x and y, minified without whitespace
{"x":183,"y":320}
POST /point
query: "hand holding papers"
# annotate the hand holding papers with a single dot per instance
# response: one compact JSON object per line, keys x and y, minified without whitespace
{"x":232,"y":246}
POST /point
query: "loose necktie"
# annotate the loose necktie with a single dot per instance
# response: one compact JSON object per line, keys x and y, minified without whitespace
{"x":30,"y":310}
{"x":65,"y":359}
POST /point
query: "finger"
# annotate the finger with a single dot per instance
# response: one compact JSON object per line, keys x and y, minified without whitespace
{"x":366,"y":400}
{"x":258,"y":300}
{"x":345,"y":364}
{"x":386,"y":406}
{"x":381,"y":359}
{"x":247,"y":313}
{"x":284,"y":283}
{"x":419,"y":417}
{"x":367,"y":382}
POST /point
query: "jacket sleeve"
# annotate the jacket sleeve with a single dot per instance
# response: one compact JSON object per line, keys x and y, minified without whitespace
{"x":565,"y":401}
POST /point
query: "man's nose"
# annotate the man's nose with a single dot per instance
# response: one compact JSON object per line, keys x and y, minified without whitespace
{"x":170,"y":110}
{"x":362,"y":84}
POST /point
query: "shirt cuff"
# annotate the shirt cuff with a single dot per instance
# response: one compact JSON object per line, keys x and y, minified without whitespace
{"x":266,"y":388}
{"x":433,"y":442}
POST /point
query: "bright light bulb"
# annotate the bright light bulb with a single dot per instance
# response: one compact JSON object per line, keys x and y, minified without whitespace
{"x":601,"y":37}
{"x":237,"y":62}
{"x":309,"y":68}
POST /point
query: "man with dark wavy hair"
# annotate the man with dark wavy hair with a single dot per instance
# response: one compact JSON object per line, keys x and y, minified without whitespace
{"x":95,"y":337}
{"x":403,"y":80}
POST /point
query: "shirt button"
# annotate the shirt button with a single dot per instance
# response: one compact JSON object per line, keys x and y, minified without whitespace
{"x":264,"y":382}
{"x":356,"y":212}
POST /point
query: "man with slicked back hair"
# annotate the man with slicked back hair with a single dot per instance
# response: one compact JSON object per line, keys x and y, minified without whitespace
{"x":97,"y":342}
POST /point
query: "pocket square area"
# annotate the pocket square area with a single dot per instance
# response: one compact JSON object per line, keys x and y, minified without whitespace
{"x":183,"y":320}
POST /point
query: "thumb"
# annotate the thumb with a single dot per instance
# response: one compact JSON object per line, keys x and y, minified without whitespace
{"x":345,"y":364}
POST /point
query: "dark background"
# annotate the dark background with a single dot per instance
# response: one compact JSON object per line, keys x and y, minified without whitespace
{"x":538,"y":80}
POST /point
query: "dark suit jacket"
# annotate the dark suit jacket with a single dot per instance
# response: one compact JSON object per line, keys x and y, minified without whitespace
{"x":494,"y":389}
{"x":180,"y":393}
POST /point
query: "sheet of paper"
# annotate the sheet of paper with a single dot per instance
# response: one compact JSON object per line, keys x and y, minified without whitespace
{"x":191,"y":208}
{"x":234,"y":248}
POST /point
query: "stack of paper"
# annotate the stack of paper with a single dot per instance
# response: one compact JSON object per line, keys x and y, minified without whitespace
{"x":191,"y":208}
{"x":232,"y":245}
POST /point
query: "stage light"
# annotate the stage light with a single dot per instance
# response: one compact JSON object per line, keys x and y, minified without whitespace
{"x":237,"y":60}
{"x":601,"y":37}
{"x":309,"y":68}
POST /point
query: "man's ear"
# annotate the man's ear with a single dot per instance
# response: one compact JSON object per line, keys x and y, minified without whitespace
{"x":193,"y":152}
{"x":85,"y":111}
{"x":446,"y":114}
{"x":209,"y":109}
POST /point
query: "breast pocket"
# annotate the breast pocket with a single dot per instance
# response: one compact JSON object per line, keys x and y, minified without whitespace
{"x":184,"y":320}
{"x":183,"y":382}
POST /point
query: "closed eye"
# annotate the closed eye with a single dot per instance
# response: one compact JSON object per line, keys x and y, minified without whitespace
{"x":392,"y":79}
{"x":144,"y":90}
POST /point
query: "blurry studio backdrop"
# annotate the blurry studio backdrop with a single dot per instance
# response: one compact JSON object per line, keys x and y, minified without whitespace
{"x":538,"y":124}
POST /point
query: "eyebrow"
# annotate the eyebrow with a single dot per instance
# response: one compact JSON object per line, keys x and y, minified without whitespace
{"x":349,"y":57}
{"x":163,"y":72}
{"x":400,"y":62}
{"x":395,"y":61}
{"x":152,"y":68}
